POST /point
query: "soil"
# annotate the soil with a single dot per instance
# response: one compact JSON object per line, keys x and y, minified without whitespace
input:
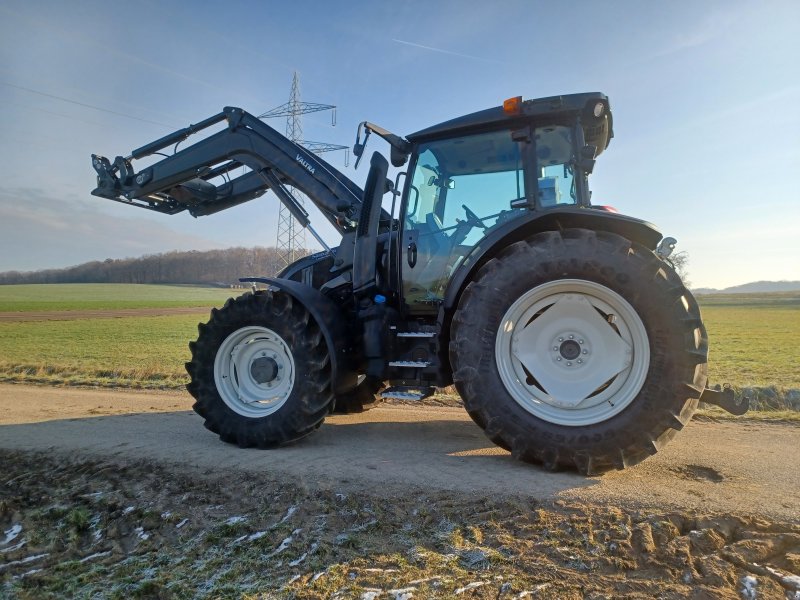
{"x":119,"y":494}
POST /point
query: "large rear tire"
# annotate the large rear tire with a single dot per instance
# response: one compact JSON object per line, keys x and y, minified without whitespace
{"x":579,"y":349}
{"x":260,"y":371}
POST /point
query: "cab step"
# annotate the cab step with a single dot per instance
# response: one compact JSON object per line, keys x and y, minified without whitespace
{"x":414,"y":364}
{"x":407,"y":393}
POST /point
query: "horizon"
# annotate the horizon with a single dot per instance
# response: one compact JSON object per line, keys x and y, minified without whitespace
{"x":703,"y":112}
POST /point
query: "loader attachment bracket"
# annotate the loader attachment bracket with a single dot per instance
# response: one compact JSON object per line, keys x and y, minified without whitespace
{"x":726,"y":400}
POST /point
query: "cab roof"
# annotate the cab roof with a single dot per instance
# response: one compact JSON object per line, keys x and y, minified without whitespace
{"x":547,"y":109}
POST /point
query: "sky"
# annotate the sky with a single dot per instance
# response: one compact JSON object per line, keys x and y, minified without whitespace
{"x":705,"y":96}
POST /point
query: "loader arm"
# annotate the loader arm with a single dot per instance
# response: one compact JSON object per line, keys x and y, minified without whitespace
{"x":200,"y":178}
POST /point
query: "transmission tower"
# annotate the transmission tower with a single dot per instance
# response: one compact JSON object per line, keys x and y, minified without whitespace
{"x":291,"y":237}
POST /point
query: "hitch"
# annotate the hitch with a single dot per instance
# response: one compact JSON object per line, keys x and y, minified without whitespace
{"x":725,"y":399}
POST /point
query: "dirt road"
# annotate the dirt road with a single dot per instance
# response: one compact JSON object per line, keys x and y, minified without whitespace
{"x":736,"y":467}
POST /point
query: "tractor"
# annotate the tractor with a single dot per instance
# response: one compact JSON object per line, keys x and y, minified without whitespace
{"x":483,"y":264}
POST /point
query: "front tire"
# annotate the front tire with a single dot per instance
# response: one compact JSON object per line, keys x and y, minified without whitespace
{"x":579,"y":349}
{"x":260,"y":371}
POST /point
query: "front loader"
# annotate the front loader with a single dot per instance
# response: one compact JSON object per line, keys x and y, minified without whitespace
{"x":565,"y":329}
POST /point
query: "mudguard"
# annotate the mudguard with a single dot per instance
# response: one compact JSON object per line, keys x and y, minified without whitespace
{"x":521,"y":228}
{"x":331,"y":321}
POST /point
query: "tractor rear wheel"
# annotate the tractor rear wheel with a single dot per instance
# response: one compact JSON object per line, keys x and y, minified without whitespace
{"x":579,"y":349}
{"x":260,"y":371}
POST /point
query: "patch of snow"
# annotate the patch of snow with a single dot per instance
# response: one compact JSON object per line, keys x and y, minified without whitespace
{"x":470,"y":586}
{"x":235,"y":519}
{"x":166,"y":515}
{"x":96,"y":555}
{"x":23,"y":561}
{"x":93,"y":495}
{"x":416,"y":582}
{"x":28,"y":573}
{"x":402,"y":594}
{"x":11,"y":534}
{"x":370,"y":594}
{"x":375,"y":570}
{"x":181,"y":524}
{"x":256,"y":536}
{"x":341,"y":497}
{"x":284,"y":544}
{"x":364,"y":526}
{"x":535,"y":590}
{"x":749,"y":584}
{"x":288,"y":515}
{"x":791,"y":581}
{"x":140,"y":533}
{"x":687,"y":577}
{"x":14,"y":547}
{"x":317,"y":576}
{"x":128,"y":510}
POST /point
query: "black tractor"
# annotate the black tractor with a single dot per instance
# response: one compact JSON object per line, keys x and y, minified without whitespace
{"x":563,"y":326}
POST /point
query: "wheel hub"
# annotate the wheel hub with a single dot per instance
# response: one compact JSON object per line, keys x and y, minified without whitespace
{"x":264,"y":369}
{"x":570,"y":349}
{"x":572,"y":352}
{"x":254,"y":371}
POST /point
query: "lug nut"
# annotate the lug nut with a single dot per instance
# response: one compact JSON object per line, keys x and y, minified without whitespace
{"x":555,"y":348}
{"x":580,"y":361}
{"x":585,"y":352}
{"x":569,"y":364}
{"x":558,"y":358}
{"x":560,"y":339}
{"x":572,"y":337}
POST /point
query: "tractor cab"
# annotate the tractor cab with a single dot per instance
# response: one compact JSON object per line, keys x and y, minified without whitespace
{"x":471,"y":176}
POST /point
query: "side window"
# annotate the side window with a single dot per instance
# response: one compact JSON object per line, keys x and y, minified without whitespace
{"x":423,"y":194}
{"x":554,"y":157}
{"x":487,"y":195}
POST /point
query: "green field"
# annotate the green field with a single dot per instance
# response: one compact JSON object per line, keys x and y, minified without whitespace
{"x":93,"y":296}
{"x":754,"y":338}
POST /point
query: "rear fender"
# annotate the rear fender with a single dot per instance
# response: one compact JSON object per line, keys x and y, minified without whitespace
{"x":522,"y":228}
{"x":333,"y":323}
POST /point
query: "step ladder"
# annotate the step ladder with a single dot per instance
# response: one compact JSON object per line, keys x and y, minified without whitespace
{"x":404,"y":392}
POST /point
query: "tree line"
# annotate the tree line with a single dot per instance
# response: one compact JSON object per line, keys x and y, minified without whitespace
{"x":212,"y":267}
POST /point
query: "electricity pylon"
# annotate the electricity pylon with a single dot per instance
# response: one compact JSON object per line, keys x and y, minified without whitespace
{"x":291,"y":238}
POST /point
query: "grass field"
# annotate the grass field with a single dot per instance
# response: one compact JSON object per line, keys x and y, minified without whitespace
{"x":753,"y":337}
{"x":91,"y":296}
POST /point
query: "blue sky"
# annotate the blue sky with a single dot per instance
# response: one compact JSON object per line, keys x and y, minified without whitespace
{"x":705,"y":96}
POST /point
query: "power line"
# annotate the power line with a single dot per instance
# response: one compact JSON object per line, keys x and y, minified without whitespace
{"x":105,"y":110}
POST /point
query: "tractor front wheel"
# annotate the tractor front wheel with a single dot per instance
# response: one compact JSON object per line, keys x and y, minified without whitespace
{"x":579,"y":349}
{"x":260,"y":371}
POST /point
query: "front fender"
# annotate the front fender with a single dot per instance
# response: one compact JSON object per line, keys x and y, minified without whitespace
{"x":333,"y":323}
{"x":557,"y":219}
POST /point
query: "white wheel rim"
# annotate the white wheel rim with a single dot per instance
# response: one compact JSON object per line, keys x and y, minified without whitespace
{"x":254,"y":371}
{"x":572,"y":352}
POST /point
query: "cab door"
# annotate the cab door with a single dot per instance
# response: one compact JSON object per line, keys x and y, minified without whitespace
{"x":458,"y":190}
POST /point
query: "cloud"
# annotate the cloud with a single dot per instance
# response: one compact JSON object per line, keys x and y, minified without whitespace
{"x":38,"y":231}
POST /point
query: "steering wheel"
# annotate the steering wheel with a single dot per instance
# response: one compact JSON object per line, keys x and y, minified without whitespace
{"x":472,"y":219}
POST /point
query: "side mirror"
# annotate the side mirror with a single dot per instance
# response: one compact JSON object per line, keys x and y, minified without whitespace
{"x":586,"y":161}
{"x":358,"y":147}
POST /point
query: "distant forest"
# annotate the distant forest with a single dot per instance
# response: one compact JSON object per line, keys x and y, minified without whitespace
{"x":212,"y":267}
